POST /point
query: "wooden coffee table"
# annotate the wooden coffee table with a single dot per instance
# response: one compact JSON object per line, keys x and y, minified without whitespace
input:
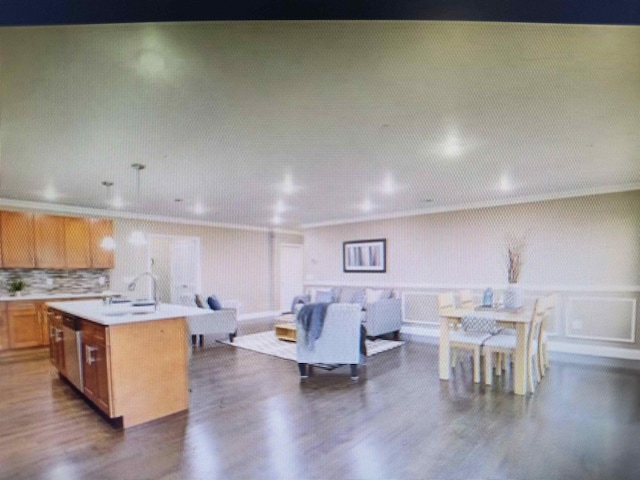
{"x":285,"y":327}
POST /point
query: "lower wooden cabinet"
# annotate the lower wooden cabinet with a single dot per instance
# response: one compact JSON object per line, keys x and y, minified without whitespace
{"x":4,"y":329}
{"x":95,"y":364}
{"x":25,"y":325}
{"x":56,"y":341}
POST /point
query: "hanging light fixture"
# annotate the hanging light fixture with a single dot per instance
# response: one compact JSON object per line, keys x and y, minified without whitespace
{"x":108,"y":243}
{"x":137,"y":237}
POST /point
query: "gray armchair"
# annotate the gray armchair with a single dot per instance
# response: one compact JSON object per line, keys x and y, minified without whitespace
{"x":383,"y":316}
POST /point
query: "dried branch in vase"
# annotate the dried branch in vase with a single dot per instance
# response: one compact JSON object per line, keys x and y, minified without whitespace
{"x":515,"y":250}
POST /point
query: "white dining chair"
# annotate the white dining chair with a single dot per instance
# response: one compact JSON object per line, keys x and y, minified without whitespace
{"x":543,"y":354}
{"x":465,"y":299}
{"x":506,"y":344}
{"x":462,"y":339}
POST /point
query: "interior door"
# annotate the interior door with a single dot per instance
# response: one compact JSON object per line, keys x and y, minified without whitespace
{"x":291,"y":274}
{"x":185,"y":268}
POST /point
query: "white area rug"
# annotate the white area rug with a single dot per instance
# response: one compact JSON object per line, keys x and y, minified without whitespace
{"x":267,"y":343}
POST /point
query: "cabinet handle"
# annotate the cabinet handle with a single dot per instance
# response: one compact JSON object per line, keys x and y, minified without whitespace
{"x":58,"y":335}
{"x":52,"y":333}
{"x":88,"y":351}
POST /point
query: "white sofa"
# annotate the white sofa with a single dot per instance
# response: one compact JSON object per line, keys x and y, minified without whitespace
{"x":339,"y":341}
{"x":380,"y":317}
{"x":218,"y":322}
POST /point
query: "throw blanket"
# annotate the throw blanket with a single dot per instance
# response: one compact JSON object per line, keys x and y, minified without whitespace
{"x":311,"y":317}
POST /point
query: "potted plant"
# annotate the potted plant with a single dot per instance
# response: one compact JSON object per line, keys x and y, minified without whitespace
{"x":16,"y":286}
{"x":513,"y":297}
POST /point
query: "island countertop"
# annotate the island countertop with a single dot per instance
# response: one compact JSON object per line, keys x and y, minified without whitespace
{"x":123,"y":313}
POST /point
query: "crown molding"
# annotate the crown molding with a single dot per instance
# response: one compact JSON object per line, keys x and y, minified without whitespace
{"x":43,"y":207}
{"x":478,"y":205}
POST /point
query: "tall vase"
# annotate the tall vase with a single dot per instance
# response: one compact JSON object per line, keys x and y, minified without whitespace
{"x":513,"y":297}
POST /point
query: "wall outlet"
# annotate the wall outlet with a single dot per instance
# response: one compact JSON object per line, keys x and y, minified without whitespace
{"x":576,"y":325}
{"x":49,"y":282}
{"x":102,"y":280}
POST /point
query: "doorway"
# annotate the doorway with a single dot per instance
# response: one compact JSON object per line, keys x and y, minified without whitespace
{"x":291,"y":274}
{"x":175,"y":261}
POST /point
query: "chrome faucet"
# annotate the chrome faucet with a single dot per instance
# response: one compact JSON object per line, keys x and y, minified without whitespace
{"x":132,"y":286}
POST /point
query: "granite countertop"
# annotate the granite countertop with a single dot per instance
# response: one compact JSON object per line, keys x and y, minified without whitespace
{"x":47,"y":296}
{"x":123,"y":313}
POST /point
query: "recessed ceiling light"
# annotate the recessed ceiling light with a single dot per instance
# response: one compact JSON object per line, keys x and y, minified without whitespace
{"x":389,"y":186}
{"x":199,"y":209}
{"x":50,"y":193}
{"x":366,"y":205}
{"x":505,"y":183}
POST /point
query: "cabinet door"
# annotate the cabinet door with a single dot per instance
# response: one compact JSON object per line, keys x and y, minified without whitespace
{"x":17,"y":236}
{"x":56,"y":341}
{"x":95,"y":365}
{"x":24,"y":328}
{"x":101,"y":257}
{"x":43,"y":319}
{"x":77,"y":238}
{"x":49,"y":241}
{"x":4,"y":328}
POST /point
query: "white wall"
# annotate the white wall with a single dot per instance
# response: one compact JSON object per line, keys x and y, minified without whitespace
{"x":581,"y":241}
{"x":587,"y":248}
{"x":236,"y":264}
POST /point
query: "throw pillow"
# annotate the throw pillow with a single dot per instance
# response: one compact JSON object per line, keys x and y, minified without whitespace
{"x":324,"y":296}
{"x":320,"y":292}
{"x":359,"y":298}
{"x":200,"y":301}
{"x":214,"y":303}
{"x":373,"y":295}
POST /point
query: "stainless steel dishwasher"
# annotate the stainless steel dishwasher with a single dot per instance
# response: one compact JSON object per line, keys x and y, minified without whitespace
{"x":72,"y":337}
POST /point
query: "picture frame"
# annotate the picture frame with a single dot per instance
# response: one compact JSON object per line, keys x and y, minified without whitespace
{"x":364,"y":256}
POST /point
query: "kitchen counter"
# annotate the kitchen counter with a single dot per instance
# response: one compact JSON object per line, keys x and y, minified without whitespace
{"x":47,"y":296}
{"x":133,"y":360}
{"x":124,"y":313}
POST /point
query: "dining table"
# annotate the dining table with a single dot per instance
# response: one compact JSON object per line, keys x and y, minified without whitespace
{"x":519,"y":320}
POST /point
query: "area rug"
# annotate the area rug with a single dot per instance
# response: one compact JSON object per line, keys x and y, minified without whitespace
{"x":267,"y":343}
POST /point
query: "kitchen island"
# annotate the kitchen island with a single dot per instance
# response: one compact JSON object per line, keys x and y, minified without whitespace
{"x":130,"y":362}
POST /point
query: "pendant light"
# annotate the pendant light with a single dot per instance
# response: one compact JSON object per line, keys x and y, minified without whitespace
{"x":137,"y":237}
{"x":108,"y":243}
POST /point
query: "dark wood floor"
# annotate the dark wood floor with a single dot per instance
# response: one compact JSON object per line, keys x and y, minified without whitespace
{"x":251,"y":417}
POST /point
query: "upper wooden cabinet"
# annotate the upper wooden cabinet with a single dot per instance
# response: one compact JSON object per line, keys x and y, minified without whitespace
{"x":101,"y":257}
{"x":30,"y":240}
{"x":77,"y":232}
{"x":49,"y":241}
{"x":16,"y":234}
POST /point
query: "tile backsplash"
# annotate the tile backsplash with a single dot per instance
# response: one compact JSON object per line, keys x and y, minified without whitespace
{"x":56,"y":281}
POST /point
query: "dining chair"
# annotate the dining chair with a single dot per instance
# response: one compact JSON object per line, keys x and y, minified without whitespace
{"x":543,"y":354}
{"x":506,"y":344}
{"x":466,"y":299}
{"x":463,"y":339}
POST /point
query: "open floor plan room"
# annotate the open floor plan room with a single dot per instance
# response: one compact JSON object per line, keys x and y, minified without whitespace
{"x":250,"y":416}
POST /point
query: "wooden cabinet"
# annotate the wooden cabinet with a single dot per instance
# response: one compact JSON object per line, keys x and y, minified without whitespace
{"x":56,"y":341}
{"x":4,"y":328}
{"x":95,"y":363}
{"x":43,"y":319}
{"x":77,"y":249}
{"x":49,"y":239}
{"x":101,"y":257}
{"x":16,"y":235}
{"x":25,"y":327}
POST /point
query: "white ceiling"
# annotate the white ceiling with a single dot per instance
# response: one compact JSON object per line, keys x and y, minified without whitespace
{"x":366,"y":119}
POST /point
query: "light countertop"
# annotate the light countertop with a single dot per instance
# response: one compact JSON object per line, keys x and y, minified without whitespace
{"x":47,"y":296}
{"x":119,"y":314}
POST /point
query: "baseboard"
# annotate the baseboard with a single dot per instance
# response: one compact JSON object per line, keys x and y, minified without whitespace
{"x":554,"y":345}
{"x":258,"y":315}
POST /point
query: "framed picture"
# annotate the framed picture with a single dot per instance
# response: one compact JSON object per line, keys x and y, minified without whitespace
{"x":365,"y":256}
